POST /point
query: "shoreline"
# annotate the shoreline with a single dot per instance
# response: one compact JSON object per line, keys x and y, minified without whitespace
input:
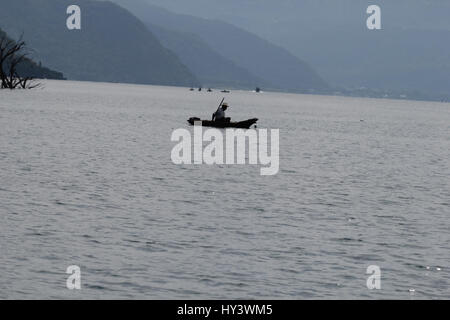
{"x":262,"y":93}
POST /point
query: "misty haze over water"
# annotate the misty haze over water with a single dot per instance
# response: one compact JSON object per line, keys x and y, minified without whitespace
{"x":409,"y":55}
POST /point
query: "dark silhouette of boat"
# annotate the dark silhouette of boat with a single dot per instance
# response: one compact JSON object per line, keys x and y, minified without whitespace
{"x":224,"y":124}
{"x":225,"y":91}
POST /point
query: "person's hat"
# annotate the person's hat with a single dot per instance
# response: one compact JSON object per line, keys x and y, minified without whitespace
{"x":225,"y":105}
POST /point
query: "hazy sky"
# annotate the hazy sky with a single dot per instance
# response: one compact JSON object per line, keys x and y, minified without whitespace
{"x":407,"y":13}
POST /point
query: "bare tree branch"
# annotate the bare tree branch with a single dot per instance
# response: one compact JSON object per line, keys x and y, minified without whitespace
{"x":12,"y":55}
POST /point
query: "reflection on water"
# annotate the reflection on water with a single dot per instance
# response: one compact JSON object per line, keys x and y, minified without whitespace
{"x":87,"y":179}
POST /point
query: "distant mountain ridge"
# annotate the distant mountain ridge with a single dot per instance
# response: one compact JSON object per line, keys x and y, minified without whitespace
{"x":410,"y":53}
{"x":209,"y":67}
{"x":153,"y":46}
{"x":274,"y":66}
{"x":112,"y":46}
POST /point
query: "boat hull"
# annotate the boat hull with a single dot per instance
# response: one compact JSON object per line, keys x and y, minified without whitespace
{"x":224,"y":124}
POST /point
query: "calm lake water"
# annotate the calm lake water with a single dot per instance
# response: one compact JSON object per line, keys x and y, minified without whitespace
{"x":86,"y":179}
